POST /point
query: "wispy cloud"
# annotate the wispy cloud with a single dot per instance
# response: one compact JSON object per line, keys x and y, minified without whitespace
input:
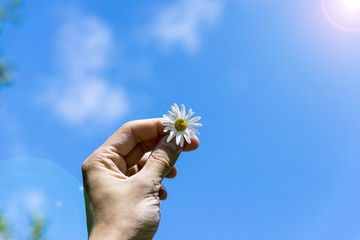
{"x":84,"y":94}
{"x":182,"y":23}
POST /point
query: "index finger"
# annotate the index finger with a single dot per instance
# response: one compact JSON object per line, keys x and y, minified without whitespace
{"x":148,"y":132}
{"x":134,"y":132}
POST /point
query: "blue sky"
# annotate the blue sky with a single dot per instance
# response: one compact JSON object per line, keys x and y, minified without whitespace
{"x":276,"y":83}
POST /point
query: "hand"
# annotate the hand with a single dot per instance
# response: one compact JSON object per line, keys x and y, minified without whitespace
{"x":123,"y":181}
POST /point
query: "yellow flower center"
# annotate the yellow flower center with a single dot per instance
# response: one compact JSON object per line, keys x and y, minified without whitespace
{"x":180,"y":125}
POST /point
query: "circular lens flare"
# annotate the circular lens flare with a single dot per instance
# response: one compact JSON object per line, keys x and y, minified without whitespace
{"x":343,"y":14}
{"x":35,"y":190}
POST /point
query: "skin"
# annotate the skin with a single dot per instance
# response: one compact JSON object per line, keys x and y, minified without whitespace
{"x":123,"y":181}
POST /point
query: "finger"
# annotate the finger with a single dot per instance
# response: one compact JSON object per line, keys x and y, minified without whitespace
{"x":133,"y":170}
{"x":192,"y":146}
{"x":141,"y":148}
{"x":162,"y":192}
{"x":143,"y":160}
{"x":172,"y":173}
{"x":106,"y":157}
{"x":161,"y":160}
{"x":134,"y":132}
{"x":139,"y":152}
{"x":136,"y":168}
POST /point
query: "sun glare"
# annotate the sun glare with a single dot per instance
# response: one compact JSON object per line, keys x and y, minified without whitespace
{"x":343,"y":14}
{"x":351,"y":5}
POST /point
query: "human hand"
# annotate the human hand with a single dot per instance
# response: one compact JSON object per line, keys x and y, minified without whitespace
{"x":123,"y":181}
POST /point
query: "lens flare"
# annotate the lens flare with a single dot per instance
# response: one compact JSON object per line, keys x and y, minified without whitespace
{"x":39,"y":189}
{"x":343,"y":14}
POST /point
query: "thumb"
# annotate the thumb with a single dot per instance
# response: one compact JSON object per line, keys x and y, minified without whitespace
{"x":161,"y":160}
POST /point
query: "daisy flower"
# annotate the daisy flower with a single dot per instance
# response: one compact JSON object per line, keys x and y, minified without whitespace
{"x":179,"y":125}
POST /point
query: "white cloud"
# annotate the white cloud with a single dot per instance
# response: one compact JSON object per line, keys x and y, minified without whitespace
{"x":84,"y":45}
{"x":93,"y":99}
{"x":182,"y":23}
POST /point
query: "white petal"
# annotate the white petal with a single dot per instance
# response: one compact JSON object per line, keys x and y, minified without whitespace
{"x":191,"y":133}
{"x":174,"y":111}
{"x":177,"y":111}
{"x":183,"y":111}
{"x":195,"y":125}
{"x":171,"y":136}
{"x":195,"y":119}
{"x":167,"y":117}
{"x":194,"y":130}
{"x":176,"y":107}
{"x":178,"y":137}
{"x":188,"y":116}
{"x":168,"y":128}
{"x":167,"y":122}
{"x":187,"y":137}
{"x":181,"y":142}
{"x":172,"y":116}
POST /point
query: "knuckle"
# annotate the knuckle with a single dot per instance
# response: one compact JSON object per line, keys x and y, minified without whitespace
{"x":86,"y":165}
{"x":162,"y":158}
{"x":90,"y":162}
{"x":127,"y":124}
{"x":147,"y":184}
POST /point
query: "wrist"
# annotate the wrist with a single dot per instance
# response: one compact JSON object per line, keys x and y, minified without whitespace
{"x":103,"y":231}
{"x":109,"y":232}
